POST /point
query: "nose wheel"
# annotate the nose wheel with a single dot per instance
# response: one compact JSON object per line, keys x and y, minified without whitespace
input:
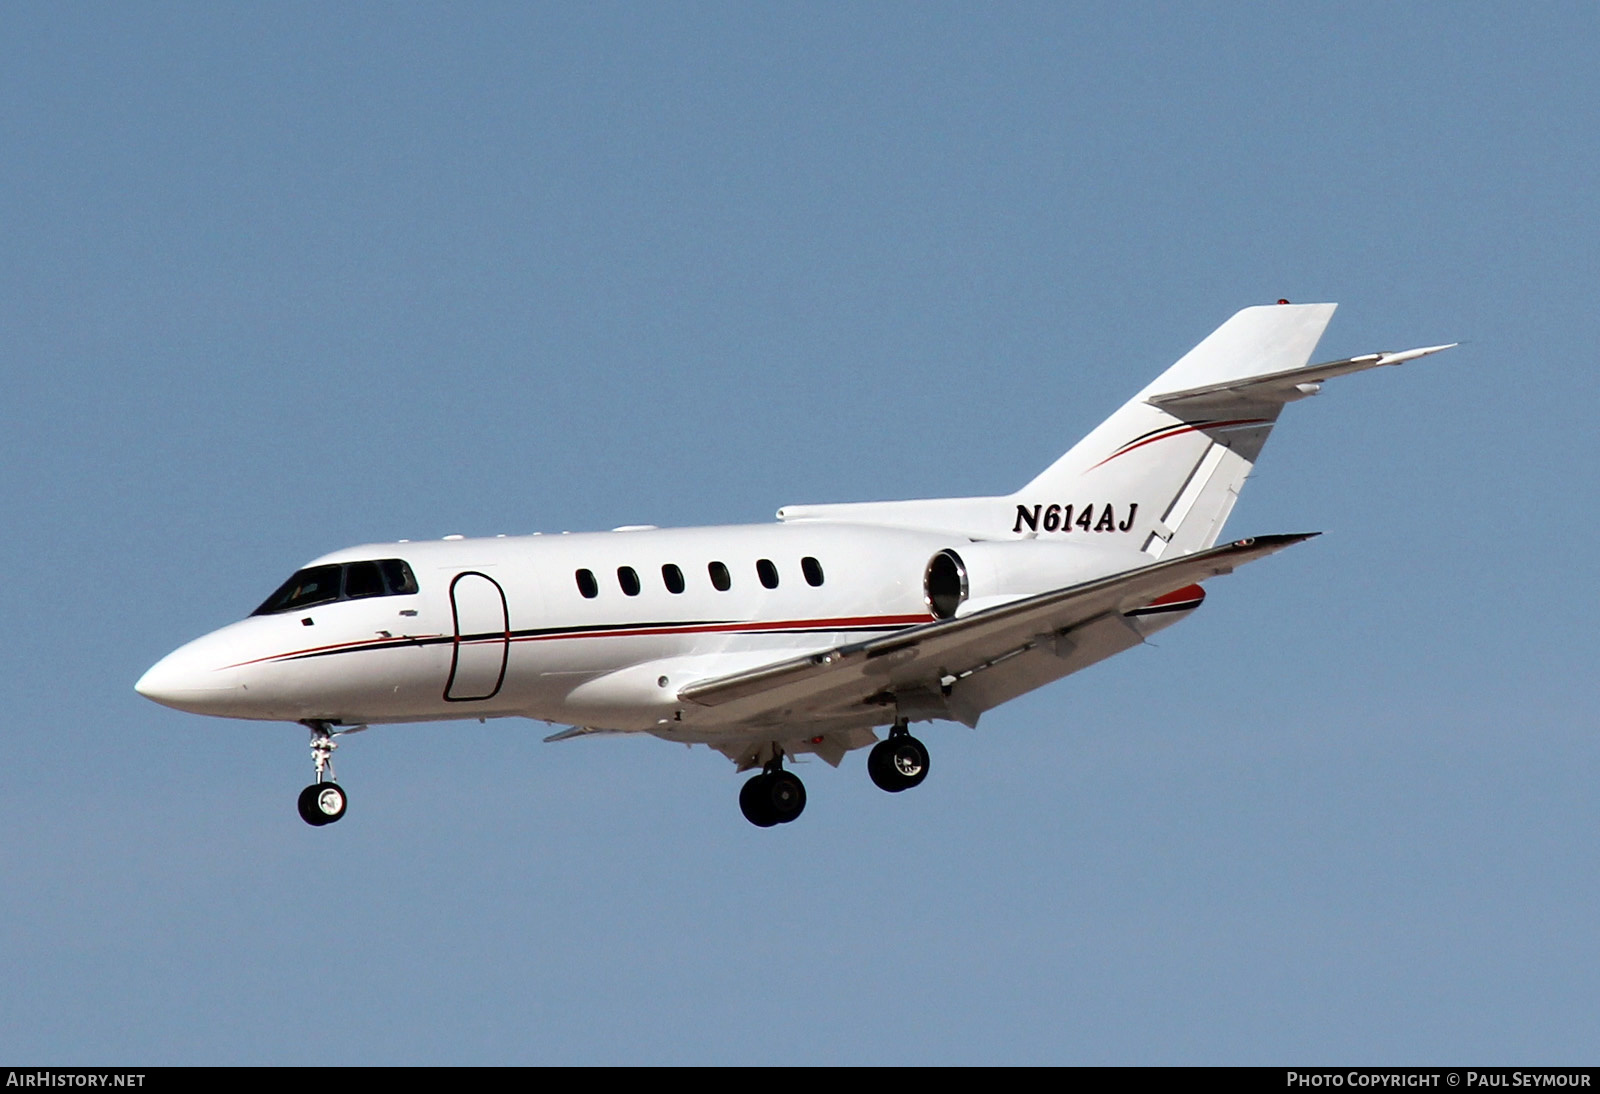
{"x":773,"y":797}
{"x":324,"y":801}
{"x":899,"y":762}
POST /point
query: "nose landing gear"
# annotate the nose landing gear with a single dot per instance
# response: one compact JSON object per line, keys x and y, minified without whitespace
{"x":324,"y":801}
{"x":899,"y":762}
{"x":773,"y":797}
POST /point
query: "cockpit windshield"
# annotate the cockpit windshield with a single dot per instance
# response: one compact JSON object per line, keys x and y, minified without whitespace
{"x":340,"y":581}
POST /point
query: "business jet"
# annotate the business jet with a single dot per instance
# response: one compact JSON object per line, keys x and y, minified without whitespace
{"x":802,"y":637}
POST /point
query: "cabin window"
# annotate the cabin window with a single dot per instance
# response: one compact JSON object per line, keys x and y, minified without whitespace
{"x":587,"y":585}
{"x":720,"y":578}
{"x":767,"y":572}
{"x":812,"y":569}
{"x":672,"y":578}
{"x":628,"y":578}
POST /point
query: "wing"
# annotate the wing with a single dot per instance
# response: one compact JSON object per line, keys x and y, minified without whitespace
{"x":960,"y":667}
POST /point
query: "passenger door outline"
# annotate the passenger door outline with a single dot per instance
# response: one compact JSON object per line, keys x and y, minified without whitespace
{"x":482,"y":643}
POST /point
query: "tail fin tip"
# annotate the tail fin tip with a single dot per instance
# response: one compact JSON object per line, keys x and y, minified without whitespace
{"x":1256,"y":341}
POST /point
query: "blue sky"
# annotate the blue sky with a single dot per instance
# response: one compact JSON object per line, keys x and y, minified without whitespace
{"x":278,"y":280}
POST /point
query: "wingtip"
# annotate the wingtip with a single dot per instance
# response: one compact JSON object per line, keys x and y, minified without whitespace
{"x":1282,"y":539}
{"x":1412,"y":354}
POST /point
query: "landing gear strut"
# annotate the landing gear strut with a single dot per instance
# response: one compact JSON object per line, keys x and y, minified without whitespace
{"x":773,"y":797}
{"x":899,"y":762}
{"x":323,"y":802}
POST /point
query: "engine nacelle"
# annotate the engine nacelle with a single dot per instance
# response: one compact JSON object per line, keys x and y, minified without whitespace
{"x":961,"y":580}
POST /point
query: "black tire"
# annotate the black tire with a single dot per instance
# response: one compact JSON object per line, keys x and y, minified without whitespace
{"x":879,"y":771}
{"x":322,"y":803}
{"x":308,"y":807}
{"x":898,"y":763}
{"x":756,"y":803}
{"x":786,"y":795}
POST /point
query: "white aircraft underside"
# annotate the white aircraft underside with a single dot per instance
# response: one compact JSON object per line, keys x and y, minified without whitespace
{"x":772,"y":641}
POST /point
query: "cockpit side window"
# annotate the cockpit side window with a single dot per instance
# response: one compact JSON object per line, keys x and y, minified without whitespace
{"x":362,"y":579}
{"x":316,"y":585}
{"x":350,"y":581}
{"x":398,"y":577}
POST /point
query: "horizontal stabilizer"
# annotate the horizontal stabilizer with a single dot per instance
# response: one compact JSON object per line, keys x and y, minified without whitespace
{"x":1280,"y":387}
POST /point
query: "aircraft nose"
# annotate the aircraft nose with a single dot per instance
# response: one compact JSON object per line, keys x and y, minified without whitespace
{"x":186,"y":679}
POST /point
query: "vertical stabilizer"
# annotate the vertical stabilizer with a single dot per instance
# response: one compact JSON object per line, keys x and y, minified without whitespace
{"x":1161,"y":475}
{"x":1163,"y":478}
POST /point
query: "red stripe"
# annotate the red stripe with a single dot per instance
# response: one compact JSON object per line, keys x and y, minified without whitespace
{"x":1156,"y":434}
{"x":751,"y":627}
{"x":741,"y":628}
{"x":335,"y":646}
{"x":1179,"y":433}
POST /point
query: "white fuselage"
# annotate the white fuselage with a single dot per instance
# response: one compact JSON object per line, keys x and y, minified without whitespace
{"x":501,"y":626}
{"x":772,"y":641}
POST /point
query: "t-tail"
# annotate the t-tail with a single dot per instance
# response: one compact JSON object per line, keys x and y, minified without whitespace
{"x":1163,"y":473}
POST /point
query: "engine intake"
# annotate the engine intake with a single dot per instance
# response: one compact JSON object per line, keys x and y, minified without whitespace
{"x":987,"y":574}
{"x":944,"y":584}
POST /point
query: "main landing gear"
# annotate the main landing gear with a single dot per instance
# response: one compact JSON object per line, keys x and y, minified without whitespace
{"x":898,"y":762}
{"x":773,"y":797}
{"x":323,"y":802}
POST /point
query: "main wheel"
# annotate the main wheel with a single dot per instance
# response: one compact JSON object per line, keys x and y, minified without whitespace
{"x":322,"y":803}
{"x":755,"y":802}
{"x":898,"y":763}
{"x":787,"y":794}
